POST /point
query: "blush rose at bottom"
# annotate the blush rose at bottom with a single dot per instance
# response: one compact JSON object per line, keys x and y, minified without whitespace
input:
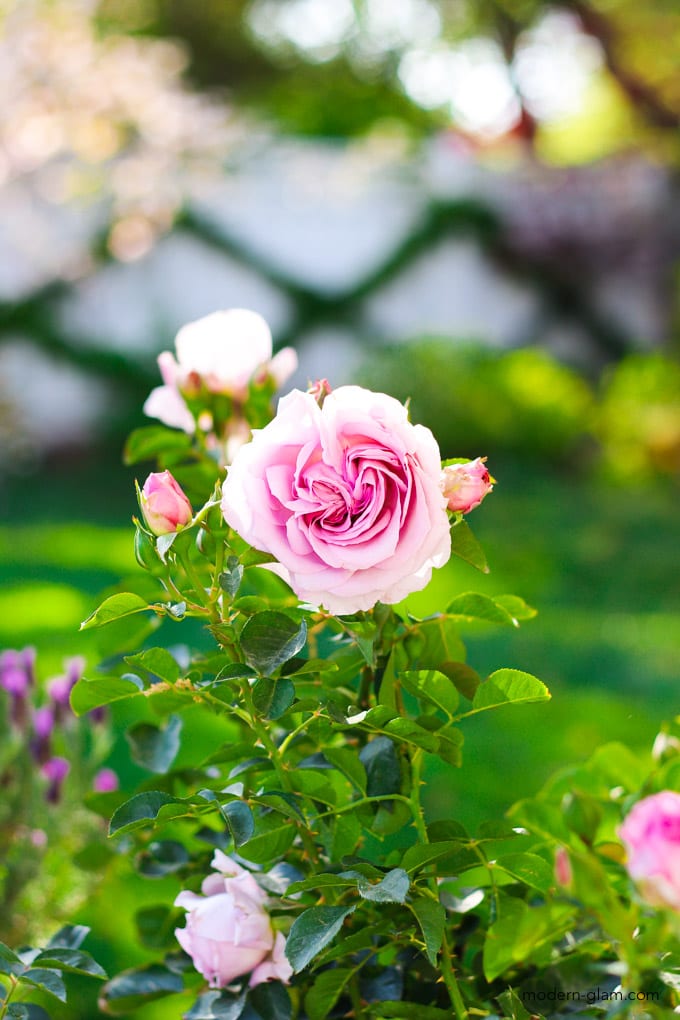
{"x":229,"y":933}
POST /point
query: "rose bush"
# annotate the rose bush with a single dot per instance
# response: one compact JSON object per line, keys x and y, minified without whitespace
{"x":346,"y":497}
{"x":289,"y":748}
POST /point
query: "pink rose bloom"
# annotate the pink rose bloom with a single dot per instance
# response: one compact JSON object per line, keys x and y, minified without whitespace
{"x":164,"y":504}
{"x":275,"y":967}
{"x":223,"y":352}
{"x":346,"y":497}
{"x":228,"y":931}
{"x":651,"y":834}
{"x":466,"y":485}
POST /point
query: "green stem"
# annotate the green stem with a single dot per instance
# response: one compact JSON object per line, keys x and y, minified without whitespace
{"x":448,"y":974}
{"x":285,"y":744}
{"x":365,"y":800}
{"x":193,"y":577}
{"x":269,"y":745}
{"x":10,"y":993}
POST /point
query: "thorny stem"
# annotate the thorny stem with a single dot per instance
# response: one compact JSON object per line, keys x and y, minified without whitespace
{"x":269,"y":745}
{"x":448,"y":974}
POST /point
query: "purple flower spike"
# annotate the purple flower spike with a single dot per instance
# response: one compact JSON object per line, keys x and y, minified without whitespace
{"x":16,"y":671}
{"x":17,"y":676}
{"x":59,"y":690}
{"x":43,"y":726}
{"x":55,"y":771}
{"x":75,"y":668}
{"x":43,"y":722}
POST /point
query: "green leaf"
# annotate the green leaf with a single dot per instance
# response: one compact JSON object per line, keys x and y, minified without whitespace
{"x":269,"y":639}
{"x":156,"y":926}
{"x":115,"y":608}
{"x":326,"y":991}
{"x":450,"y":747}
{"x":273,"y":698}
{"x":473,"y":606}
{"x":230,"y":579}
{"x":347,"y":761}
{"x":439,"y":642}
{"x":154,"y":747}
{"x":217,"y":1006}
{"x":239,"y":819}
{"x":89,"y":694}
{"x":528,"y":868}
{"x":392,"y":889}
{"x":383,"y":774}
{"x":343,"y":835}
{"x":363,"y":632}
{"x":432,"y":686}
{"x":464,"y":678}
{"x":71,"y":936}
{"x":431,"y":917}
{"x":134,"y":988}
{"x":150,"y":441}
{"x":271,"y":1001}
{"x":47,"y":981}
{"x":74,"y":961}
{"x":158,"y":662}
{"x":311,"y":932}
{"x":466,"y":547}
{"x":18,"y":1011}
{"x":286,"y":803}
{"x":507,"y":686}
{"x":411,"y":733}
{"x":271,"y":840}
{"x":519,"y":931}
{"x":517,"y":607}
{"x":512,"y":1006}
{"x":416,"y":857}
{"x":162,"y":857}
{"x":139,"y":810}
{"x":10,"y":963}
{"x":408,"y":1011}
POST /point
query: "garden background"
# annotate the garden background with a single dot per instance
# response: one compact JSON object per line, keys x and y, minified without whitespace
{"x":472,"y":204}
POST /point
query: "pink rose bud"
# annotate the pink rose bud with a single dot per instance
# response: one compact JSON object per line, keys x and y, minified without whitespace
{"x":164,"y":504}
{"x":320,"y":390}
{"x":55,"y":770}
{"x":228,"y":931}
{"x":563,"y":873}
{"x":105,"y":781}
{"x":466,"y":485}
{"x":651,"y":834}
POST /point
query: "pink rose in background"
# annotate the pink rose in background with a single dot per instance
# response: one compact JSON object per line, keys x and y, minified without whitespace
{"x":466,"y":485}
{"x":222,"y":352}
{"x":651,"y":834}
{"x":346,"y":497}
{"x":164,"y":504}
{"x":228,"y":931}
